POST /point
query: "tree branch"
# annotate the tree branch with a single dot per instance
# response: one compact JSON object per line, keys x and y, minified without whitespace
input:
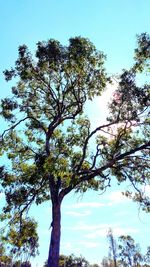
{"x":85,"y":176}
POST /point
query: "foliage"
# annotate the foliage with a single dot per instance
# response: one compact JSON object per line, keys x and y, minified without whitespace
{"x":129,"y":252}
{"x":73,"y":261}
{"x":142,"y":53}
{"x":7,"y":258}
{"x":21,"y":237}
{"x":23,"y":264}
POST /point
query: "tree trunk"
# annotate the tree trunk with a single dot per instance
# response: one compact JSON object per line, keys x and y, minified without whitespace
{"x":53,"y":257}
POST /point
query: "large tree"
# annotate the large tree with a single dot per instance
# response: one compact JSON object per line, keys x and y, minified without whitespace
{"x":48,"y":139}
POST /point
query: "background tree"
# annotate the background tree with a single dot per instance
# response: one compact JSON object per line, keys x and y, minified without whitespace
{"x":129,"y":252}
{"x":112,"y":247}
{"x":21,"y":238}
{"x":107,"y":262}
{"x":71,"y":261}
{"x":8,"y":249}
{"x":48,"y":138}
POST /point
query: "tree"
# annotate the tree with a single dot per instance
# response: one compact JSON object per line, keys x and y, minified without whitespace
{"x":71,"y":261}
{"x":112,"y":247}
{"x":22,"y":238}
{"x":48,"y":138}
{"x":129,"y":252}
{"x":107,"y":262}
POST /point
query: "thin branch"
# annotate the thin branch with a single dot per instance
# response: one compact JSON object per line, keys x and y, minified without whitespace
{"x":95,"y":157}
{"x":87,"y":140}
{"x":133,"y":184}
{"x":16,"y":124}
{"x":12,"y":127}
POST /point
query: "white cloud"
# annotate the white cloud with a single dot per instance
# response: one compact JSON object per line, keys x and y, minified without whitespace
{"x":87,"y":227}
{"x":99,"y":105}
{"x":117,"y":231}
{"x":68,"y":248}
{"x":124,"y":231}
{"x":98,"y":233}
{"x":78,"y":214}
{"x":101,"y":230}
{"x":122,"y":213}
{"x":66,"y":245}
{"x":2,"y":195}
{"x":146,"y":190}
{"x":88,"y":204}
{"x":117,"y":197}
{"x":88,"y":244}
{"x":107,"y":96}
{"x":75,"y":247}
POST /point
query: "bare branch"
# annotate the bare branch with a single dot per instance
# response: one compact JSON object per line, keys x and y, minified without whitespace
{"x":12,"y":127}
{"x":87,"y":140}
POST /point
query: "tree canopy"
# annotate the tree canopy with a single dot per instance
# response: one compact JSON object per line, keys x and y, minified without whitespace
{"x":48,"y":139}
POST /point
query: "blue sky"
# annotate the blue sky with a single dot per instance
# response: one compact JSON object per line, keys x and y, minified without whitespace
{"x":112,"y":26}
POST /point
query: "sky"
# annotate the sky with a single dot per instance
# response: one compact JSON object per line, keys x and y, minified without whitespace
{"x":112,"y":25}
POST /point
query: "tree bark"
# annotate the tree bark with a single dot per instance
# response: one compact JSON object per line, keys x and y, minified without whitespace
{"x":53,"y":257}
